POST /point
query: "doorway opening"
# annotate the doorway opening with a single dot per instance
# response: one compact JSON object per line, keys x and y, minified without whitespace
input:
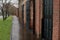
{"x":33,"y":16}
{"x":47,"y":21}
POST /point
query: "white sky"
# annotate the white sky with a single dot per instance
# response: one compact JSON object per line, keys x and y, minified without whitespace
{"x":12,"y":1}
{"x":15,"y":2}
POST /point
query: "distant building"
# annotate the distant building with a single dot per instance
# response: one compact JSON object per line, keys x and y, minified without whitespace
{"x":13,"y":10}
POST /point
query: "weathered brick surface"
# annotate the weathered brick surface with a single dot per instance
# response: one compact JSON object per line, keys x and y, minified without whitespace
{"x":38,"y":16}
{"x":56,"y":20}
{"x":16,"y":11}
{"x":25,"y":14}
{"x":31,"y":14}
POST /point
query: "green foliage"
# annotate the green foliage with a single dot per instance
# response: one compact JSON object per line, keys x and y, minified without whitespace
{"x":5,"y":28}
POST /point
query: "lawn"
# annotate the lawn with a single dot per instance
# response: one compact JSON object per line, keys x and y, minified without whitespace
{"x":5,"y":28}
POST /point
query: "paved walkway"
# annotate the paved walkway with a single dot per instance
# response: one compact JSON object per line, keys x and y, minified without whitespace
{"x":15,"y":29}
{"x":23,"y":35}
{"x":1,"y":16}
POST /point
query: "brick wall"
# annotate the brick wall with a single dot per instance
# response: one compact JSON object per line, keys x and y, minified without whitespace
{"x":25,"y":13}
{"x":20,"y":11}
{"x":16,"y":12}
{"x":56,"y":20}
{"x":37,"y":17}
{"x":55,"y":35}
{"x":31,"y":14}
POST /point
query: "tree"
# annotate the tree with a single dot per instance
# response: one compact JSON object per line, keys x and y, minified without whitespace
{"x":5,"y":9}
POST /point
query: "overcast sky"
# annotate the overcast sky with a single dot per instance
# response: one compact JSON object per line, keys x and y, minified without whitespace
{"x":15,"y":2}
{"x":12,"y":1}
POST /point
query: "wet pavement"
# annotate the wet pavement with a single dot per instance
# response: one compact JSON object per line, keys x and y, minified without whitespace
{"x":21,"y":33}
{"x":27,"y":35}
{"x":15,"y":29}
{"x":1,"y":16}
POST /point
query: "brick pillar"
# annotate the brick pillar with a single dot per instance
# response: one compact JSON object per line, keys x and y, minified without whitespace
{"x":38,"y":16}
{"x":41,"y":14}
{"x":55,"y":20}
{"x":25,"y":14}
{"x":20,"y":14}
{"x":31,"y":14}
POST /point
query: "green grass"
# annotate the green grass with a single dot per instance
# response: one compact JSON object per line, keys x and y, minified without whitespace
{"x":5,"y":28}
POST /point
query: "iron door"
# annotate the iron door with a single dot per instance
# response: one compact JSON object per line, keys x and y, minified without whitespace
{"x":27,"y":14}
{"x":47,"y":19}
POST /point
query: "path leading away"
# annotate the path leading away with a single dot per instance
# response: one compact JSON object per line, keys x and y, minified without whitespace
{"x":15,"y":29}
{"x":1,"y":16}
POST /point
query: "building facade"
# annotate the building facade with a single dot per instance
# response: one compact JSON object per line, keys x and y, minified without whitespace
{"x":41,"y":17}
